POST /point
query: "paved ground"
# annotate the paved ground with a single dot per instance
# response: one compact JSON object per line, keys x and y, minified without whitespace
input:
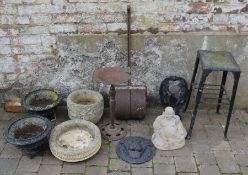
{"x":206,"y":153}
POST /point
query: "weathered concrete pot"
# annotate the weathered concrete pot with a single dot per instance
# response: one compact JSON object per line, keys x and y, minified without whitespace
{"x":42,"y":102}
{"x":69,"y":146}
{"x":85,"y":104}
{"x":28,"y":133}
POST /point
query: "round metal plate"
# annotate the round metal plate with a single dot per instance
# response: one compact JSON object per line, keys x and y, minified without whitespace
{"x":112,"y":75}
{"x":135,"y":150}
{"x":112,"y":134}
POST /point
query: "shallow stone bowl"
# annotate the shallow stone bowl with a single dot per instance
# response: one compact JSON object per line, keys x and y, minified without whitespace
{"x":85,"y":104}
{"x":74,"y":154}
{"x":41,"y":100}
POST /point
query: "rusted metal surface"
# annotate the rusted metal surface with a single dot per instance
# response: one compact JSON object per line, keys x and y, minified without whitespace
{"x":131,"y":99}
{"x":113,"y":132}
{"x":130,"y":102}
{"x":112,"y":75}
{"x":128,"y":40}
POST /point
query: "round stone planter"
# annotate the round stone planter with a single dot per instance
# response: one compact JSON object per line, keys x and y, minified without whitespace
{"x":75,"y":140}
{"x":85,"y":104}
{"x":42,"y":102}
{"x":29,"y":134}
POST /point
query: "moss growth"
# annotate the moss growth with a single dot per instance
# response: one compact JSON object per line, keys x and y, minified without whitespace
{"x":244,"y":121}
{"x":220,"y":59}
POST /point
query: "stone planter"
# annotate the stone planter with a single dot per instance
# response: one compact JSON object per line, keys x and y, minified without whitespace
{"x":75,"y":140}
{"x":29,"y":134}
{"x":42,"y":102}
{"x":85,"y":104}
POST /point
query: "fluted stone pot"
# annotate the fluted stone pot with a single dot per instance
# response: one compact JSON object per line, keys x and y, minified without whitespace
{"x":85,"y":104}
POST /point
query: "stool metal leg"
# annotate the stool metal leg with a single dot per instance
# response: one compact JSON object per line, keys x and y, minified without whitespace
{"x":197,"y":101}
{"x":192,"y":82}
{"x":235,"y":86}
{"x":223,"y":82}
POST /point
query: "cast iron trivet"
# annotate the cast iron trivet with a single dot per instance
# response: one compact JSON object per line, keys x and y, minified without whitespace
{"x":135,"y":150}
{"x":174,"y":92}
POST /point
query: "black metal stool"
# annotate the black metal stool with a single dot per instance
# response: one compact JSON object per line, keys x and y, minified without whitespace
{"x":214,"y":61}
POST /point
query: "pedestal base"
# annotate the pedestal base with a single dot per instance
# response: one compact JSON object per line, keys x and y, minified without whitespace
{"x":113,"y":133}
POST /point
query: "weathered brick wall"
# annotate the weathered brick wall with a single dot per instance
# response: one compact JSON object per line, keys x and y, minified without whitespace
{"x":29,"y":29}
{"x":104,"y":16}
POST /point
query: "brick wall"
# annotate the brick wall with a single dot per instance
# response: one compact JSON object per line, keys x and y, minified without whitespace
{"x":29,"y":29}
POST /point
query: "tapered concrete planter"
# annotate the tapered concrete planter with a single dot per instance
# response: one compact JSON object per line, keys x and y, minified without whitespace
{"x":85,"y":104}
{"x":75,"y":140}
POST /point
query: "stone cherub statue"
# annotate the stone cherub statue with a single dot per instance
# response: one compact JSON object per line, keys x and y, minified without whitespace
{"x":169,"y":133}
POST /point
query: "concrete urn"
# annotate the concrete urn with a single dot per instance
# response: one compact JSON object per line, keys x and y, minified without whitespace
{"x":169,"y":133}
{"x":85,"y":104}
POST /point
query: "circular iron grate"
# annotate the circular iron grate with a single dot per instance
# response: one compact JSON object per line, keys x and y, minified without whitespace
{"x":135,"y":150}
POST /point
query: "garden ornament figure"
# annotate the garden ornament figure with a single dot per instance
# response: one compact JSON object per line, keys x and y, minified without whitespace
{"x":169,"y":133}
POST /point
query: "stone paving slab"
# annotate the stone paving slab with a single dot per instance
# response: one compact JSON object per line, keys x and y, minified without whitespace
{"x":162,"y":169}
{"x":2,"y":125}
{"x":200,"y":146}
{"x":70,"y":168}
{"x":188,"y":173}
{"x":242,"y":159}
{"x":142,"y":171}
{"x":209,"y":169}
{"x":8,"y":166}
{"x":244,"y":170}
{"x":160,"y":158}
{"x":29,"y":165}
{"x":119,"y":165}
{"x":10,"y":151}
{"x":239,"y":146}
{"x":206,"y":158}
{"x":25,"y":173}
{"x":185,"y":164}
{"x":96,"y":170}
{"x":143,"y":165}
{"x":226,"y":162}
{"x":187,"y":150}
{"x":119,"y":173}
{"x":219,"y":144}
{"x":50,"y":169}
{"x":49,"y":159}
{"x":112,"y":149}
{"x":205,"y":153}
{"x":98,"y":160}
{"x":2,"y":145}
